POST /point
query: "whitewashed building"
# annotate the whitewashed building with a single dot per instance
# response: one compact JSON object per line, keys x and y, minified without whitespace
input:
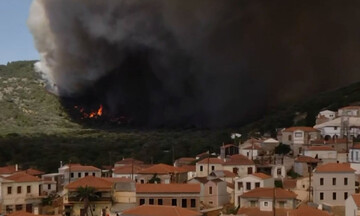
{"x":324,"y":153}
{"x":352,"y":205}
{"x":297,"y":137}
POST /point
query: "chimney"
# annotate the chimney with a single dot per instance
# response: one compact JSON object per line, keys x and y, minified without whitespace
{"x":16,"y":167}
{"x":61,"y":164}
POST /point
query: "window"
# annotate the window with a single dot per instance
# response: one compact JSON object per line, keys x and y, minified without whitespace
{"x":298,"y":134}
{"x":240,"y":185}
{"x":252,"y":203}
{"x":210,"y":190}
{"x":357,"y":155}
{"x":19,"y":190}
{"x":72,"y":175}
{"x":266,"y":203}
{"x":278,"y":171}
{"x":250,"y":171}
{"x":321,"y":181}
{"x":28,"y":189}
{"x":345,"y":195}
{"x":160,"y":201}
{"x":334,"y":195}
{"x":193,"y":203}
{"x":49,"y":186}
{"x":142,"y":201}
{"x":142,"y":181}
{"x":335,"y":128}
{"x":345,"y":181}
{"x":9,"y":190}
{"x":18,"y":207}
{"x":79,"y":175}
{"x":235,"y":170}
{"x":281,"y":204}
{"x":257,"y":184}
{"x":93,"y":174}
{"x":321,"y":196}
{"x":248,"y":185}
{"x":174,"y":202}
{"x":151,"y":201}
{"x":86,"y":174}
{"x":289,"y":137}
{"x":201,"y":168}
{"x":184,"y":203}
{"x":334,"y":181}
{"x":212,"y":168}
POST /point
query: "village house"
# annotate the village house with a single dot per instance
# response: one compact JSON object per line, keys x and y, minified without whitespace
{"x":250,"y":182}
{"x":128,"y":162}
{"x":24,"y":213}
{"x":8,"y":170}
{"x":240,"y":165}
{"x":72,"y":172}
{"x":333,"y":183}
{"x":20,"y":192}
{"x":180,"y":195}
{"x":207,"y":165}
{"x":269,"y":145}
{"x":224,"y":175}
{"x":260,"y":200}
{"x":304,"y":165}
{"x":103,"y":189}
{"x":213,"y":191}
{"x":325,"y":154}
{"x":305,"y":210}
{"x":324,"y":116}
{"x":184,"y":161}
{"x":340,"y":127}
{"x":52,"y":183}
{"x":228,"y":150}
{"x":123,"y":195}
{"x":251,"y":152}
{"x":339,"y":144}
{"x":127,"y":171}
{"x":160,"y":210}
{"x":298,"y":137}
{"x":352,"y":205}
{"x":162,"y":173}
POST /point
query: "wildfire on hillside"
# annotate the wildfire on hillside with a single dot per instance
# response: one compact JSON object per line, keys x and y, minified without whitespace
{"x":93,"y":114}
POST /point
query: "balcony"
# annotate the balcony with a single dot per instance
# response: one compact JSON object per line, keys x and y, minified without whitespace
{"x":99,"y":199}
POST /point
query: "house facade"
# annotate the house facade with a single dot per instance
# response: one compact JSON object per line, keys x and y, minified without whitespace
{"x":162,"y":173}
{"x":325,"y":154}
{"x":333,"y":183}
{"x":73,"y":172}
{"x":352,"y":205}
{"x":297,"y":137}
{"x":207,"y":165}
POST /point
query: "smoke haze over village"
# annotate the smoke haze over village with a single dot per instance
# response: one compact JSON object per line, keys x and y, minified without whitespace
{"x":208,"y":63}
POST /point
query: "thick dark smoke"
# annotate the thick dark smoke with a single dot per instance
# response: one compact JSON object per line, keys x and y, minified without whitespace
{"x":203,"y":62}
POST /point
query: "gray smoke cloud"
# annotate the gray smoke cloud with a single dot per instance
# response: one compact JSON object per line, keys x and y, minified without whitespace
{"x":203,"y":62}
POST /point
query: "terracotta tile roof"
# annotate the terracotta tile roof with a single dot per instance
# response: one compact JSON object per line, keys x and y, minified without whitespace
{"x":34,"y":172}
{"x":330,"y":141}
{"x":127,"y":169}
{"x":22,"y":177}
{"x":91,"y":181}
{"x":238,"y":160}
{"x":269,"y":193}
{"x":230,"y":185}
{"x":357,"y":146}
{"x":201,"y":155}
{"x":320,"y":148}
{"x":356,"y":198}
{"x":78,"y":167}
{"x":307,"y":210}
{"x":334,"y":167}
{"x":202,"y":180}
{"x":189,"y":168}
{"x":306,"y":129}
{"x":168,"y":188}
{"x":156,"y":210}
{"x":211,"y":161}
{"x":289,"y":183}
{"x":162,"y":169}
{"x":257,"y":212}
{"x":261,"y":175}
{"x":116,"y":180}
{"x":229,"y":174}
{"x":256,"y":147}
{"x":7,"y":170}
{"x":350,"y":107}
{"x":186,"y":160}
{"x":228,"y":145}
{"x":129,"y":161}
{"x":23,"y":213}
{"x":306,"y":159}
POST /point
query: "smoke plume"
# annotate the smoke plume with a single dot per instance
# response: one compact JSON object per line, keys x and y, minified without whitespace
{"x":203,"y":62}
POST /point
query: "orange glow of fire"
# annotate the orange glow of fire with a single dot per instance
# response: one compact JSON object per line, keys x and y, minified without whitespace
{"x":94,"y":114}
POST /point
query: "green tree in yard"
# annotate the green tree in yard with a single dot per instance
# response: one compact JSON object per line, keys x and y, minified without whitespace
{"x":85,"y":194}
{"x":282,"y":149}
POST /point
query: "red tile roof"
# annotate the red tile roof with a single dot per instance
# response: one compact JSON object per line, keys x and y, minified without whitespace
{"x":257,"y":212}
{"x":350,"y":107}
{"x":22,"y":213}
{"x":334,"y":167}
{"x":356,"y":198}
{"x":116,"y":180}
{"x":269,"y":193}
{"x":320,"y":148}
{"x":330,"y":141}
{"x":228,"y":145}
{"x":306,"y":129}
{"x":168,"y":188}
{"x":307,"y":210}
{"x":127,"y":169}
{"x":91,"y":181}
{"x":129,"y":161}
{"x":186,"y":160}
{"x":238,"y":160}
{"x":78,"y":167}
{"x":189,"y":168}
{"x":256,"y":147}
{"x":306,"y":159}
{"x":162,"y":169}
{"x":211,"y":161}
{"x":163,"y":210}
{"x":7,"y":170}
{"x":34,"y":172}
{"x":289,"y":183}
{"x":261,"y":175}
{"x":22,"y":177}
{"x":357,"y":146}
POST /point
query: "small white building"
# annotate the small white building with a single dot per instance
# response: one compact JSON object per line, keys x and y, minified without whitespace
{"x":251,"y":152}
{"x":297,"y":137}
{"x":352,"y":205}
{"x":324,"y":153}
{"x":269,"y":145}
{"x":208,"y":165}
{"x":250,"y":182}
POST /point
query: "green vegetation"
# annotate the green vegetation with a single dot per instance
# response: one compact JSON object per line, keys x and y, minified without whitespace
{"x":282,"y":149}
{"x":35,"y":131}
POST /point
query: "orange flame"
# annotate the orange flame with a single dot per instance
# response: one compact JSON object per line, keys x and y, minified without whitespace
{"x":95,"y":114}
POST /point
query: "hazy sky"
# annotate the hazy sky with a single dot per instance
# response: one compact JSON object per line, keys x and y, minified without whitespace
{"x":16,"y":42}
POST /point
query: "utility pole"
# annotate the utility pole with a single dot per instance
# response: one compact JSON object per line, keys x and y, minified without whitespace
{"x":208,"y":164}
{"x":310,"y":172}
{"x":274,"y":199}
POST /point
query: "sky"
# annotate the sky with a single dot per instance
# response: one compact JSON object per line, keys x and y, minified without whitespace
{"x":16,"y":42}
